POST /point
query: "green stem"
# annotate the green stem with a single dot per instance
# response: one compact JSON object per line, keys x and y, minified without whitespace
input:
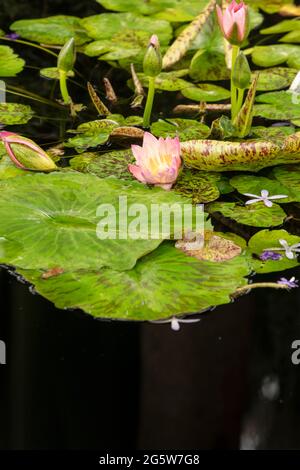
{"x":19,"y":41}
{"x":63,"y":87}
{"x":149,"y":103}
{"x":239,"y":100}
{"x":235,"y":51}
{"x":258,"y":285}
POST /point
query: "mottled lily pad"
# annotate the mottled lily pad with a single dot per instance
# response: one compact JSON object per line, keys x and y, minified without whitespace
{"x":255,"y":184}
{"x":275,"y":78}
{"x":52,"y":30}
{"x":55,"y":218}
{"x":278,"y":105}
{"x":200,"y":186}
{"x":256,"y":215}
{"x":186,"y":129}
{"x":269,"y":56}
{"x":268,"y":239}
{"x":164,"y":283}
{"x":166,"y":81}
{"x":108,"y":25}
{"x":113,"y":163}
{"x":91,"y":134}
{"x":14,"y":113}
{"x":289,"y":177}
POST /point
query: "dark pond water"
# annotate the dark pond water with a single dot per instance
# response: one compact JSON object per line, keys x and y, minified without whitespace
{"x":72,"y":382}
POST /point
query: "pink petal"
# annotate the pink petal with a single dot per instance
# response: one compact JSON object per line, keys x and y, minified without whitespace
{"x":137,"y":173}
{"x":240,"y":20}
{"x":150,"y":141}
{"x":228,"y":23}
{"x":166,"y":186}
{"x":220,"y":17}
{"x":138,"y":153}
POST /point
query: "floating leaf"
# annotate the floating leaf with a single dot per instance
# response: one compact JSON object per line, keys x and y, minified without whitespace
{"x":113,"y":163}
{"x":181,"y":45}
{"x":268,"y":239}
{"x":206,"y":92}
{"x":269,"y":6}
{"x":10,"y":63}
{"x":7,"y":168}
{"x":166,"y":81}
{"x":278,"y":105}
{"x":282,"y":27}
{"x":109,"y":25}
{"x":274,"y":78}
{"x":14,"y":113}
{"x":268,"y":56}
{"x":200,"y":186}
{"x":276,"y":134}
{"x":256,"y":215}
{"x":255,"y":184}
{"x":121,"y":46}
{"x":186,"y":129}
{"x":289,"y":177}
{"x":222,"y":128}
{"x":213,"y":155}
{"x":54,"y":218}
{"x":52,"y":30}
{"x":164,"y":283}
{"x":91,"y":134}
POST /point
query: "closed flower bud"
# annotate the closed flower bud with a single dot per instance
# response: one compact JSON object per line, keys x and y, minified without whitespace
{"x":234,"y":22}
{"x":152,"y":64}
{"x":66,"y":57}
{"x":25,"y":153}
{"x":241,"y":73}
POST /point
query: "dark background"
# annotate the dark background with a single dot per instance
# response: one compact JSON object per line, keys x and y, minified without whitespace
{"x":72,"y":382}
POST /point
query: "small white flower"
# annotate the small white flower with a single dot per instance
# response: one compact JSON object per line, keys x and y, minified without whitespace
{"x":264,"y":197}
{"x":290,"y":250}
{"x":175,"y":322}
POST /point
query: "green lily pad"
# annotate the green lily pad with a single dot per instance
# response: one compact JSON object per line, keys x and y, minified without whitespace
{"x":253,"y":184}
{"x":268,"y":239}
{"x":269,"y":56}
{"x":289,"y":177}
{"x":91,"y":134}
{"x":278,"y":105}
{"x":276,"y":134}
{"x":164,"y":283}
{"x":53,"y":73}
{"x":200,"y":186}
{"x":222,"y":128}
{"x":52,"y":30}
{"x":10,"y":63}
{"x":54,"y":218}
{"x":282,"y":27}
{"x":113,"y":163}
{"x":123,"y":45}
{"x":166,"y":81}
{"x":206,"y":92}
{"x":14,"y":113}
{"x":269,"y":6}
{"x":185,"y":129}
{"x":293,"y":36}
{"x":256,"y":215}
{"x":7,"y":168}
{"x":108,"y":25}
{"x":274,"y":78}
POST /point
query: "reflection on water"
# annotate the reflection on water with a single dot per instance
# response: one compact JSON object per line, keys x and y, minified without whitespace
{"x":226,"y":382}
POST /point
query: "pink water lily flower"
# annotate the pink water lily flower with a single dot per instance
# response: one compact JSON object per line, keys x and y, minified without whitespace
{"x":157,"y":161}
{"x":234,"y":22}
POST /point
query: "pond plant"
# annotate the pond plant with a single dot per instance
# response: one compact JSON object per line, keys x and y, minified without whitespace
{"x":202,"y":111}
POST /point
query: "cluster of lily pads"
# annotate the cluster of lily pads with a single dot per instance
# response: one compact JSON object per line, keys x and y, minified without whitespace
{"x":242,"y":163}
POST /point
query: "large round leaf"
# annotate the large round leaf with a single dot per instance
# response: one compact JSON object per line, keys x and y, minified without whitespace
{"x":186,"y":129}
{"x":206,"y":92}
{"x":164,"y":283}
{"x":255,"y":184}
{"x":54,"y":218}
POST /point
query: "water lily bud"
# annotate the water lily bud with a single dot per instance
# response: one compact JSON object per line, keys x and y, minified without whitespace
{"x":25,"y":153}
{"x":241,"y":73}
{"x":66,"y":57}
{"x":153,"y":61}
{"x":234,"y":22}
